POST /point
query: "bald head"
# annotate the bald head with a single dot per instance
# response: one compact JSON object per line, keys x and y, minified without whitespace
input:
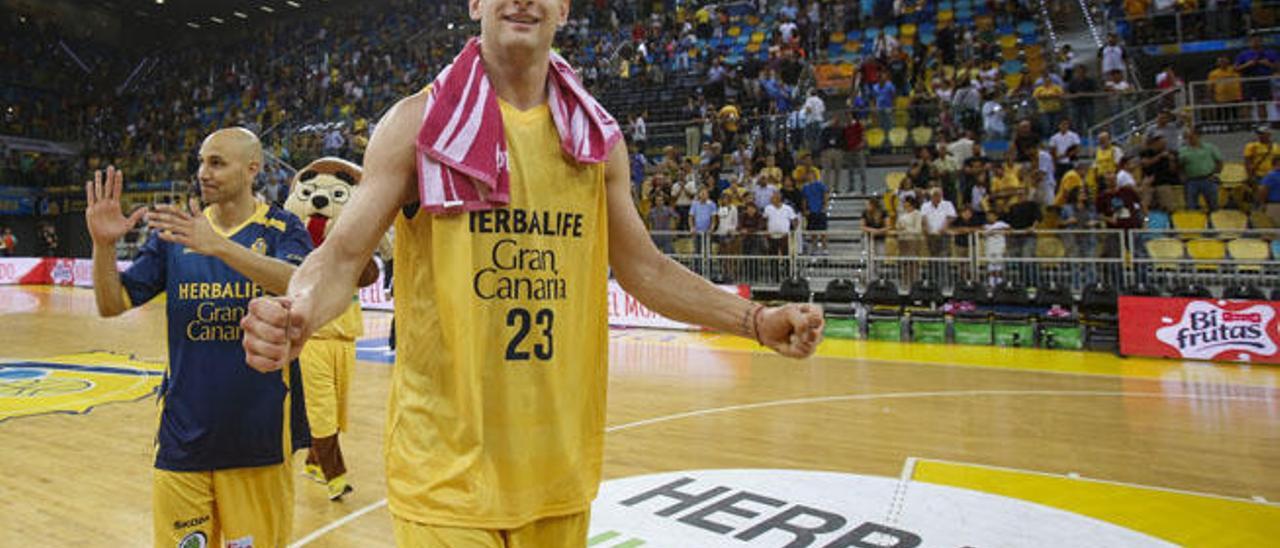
{"x":236,"y":142}
{"x":230,"y":159}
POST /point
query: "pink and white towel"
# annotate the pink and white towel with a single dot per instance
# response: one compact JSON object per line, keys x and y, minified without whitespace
{"x":462,"y":150}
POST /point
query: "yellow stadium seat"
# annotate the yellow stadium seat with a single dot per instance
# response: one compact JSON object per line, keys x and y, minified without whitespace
{"x":1233,"y":173}
{"x":853,"y":46}
{"x":1211,"y":252}
{"x":1248,"y":254}
{"x":1189,"y":223}
{"x":1229,"y":222}
{"x":837,"y":37}
{"x":1011,"y":81}
{"x":735,"y":31}
{"x":1007,"y":41}
{"x":921,"y":135}
{"x":753,"y":47}
{"x":875,"y":138}
{"x":898,"y":137}
{"x":757,"y":37}
{"x":1166,"y":251}
{"x":946,"y":16}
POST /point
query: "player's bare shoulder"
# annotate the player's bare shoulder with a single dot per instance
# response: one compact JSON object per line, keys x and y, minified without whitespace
{"x":392,"y":148}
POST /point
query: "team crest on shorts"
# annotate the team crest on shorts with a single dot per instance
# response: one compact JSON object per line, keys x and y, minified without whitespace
{"x":259,"y":246}
{"x":73,"y":384}
{"x":194,"y":539}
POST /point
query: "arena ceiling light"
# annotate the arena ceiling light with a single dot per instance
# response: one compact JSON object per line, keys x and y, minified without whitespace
{"x":240,"y":14}
{"x":293,"y":4}
{"x":267,"y":9}
{"x":217,"y":19}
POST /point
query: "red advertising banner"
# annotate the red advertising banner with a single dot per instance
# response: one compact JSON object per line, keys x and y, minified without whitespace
{"x":1200,"y":329}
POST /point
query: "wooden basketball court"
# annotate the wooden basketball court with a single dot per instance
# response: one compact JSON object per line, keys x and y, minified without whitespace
{"x":1183,"y":453}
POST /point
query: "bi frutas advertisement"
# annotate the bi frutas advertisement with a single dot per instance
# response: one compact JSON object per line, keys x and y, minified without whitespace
{"x":1200,"y":329}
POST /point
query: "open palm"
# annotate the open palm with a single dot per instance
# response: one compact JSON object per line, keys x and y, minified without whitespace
{"x":106,"y":220}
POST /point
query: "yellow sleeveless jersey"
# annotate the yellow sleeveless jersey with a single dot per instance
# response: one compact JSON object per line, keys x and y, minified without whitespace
{"x":497,"y":407}
{"x":347,"y":327}
{"x":1105,"y":161}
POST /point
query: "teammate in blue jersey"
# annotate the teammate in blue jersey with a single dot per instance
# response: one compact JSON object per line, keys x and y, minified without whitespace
{"x":226,"y":432}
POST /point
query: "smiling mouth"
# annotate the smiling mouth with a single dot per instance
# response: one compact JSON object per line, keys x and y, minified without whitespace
{"x":521,"y":19}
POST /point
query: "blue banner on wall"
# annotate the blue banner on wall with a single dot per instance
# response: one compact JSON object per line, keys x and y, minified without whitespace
{"x":18,"y":200}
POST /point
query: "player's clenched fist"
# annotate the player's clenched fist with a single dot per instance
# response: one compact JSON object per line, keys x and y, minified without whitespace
{"x":273,"y":333}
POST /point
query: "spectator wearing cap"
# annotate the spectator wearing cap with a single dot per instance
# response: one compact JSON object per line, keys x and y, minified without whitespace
{"x":1200,"y":163}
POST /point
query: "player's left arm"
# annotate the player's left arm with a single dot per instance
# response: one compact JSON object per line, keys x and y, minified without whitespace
{"x":670,"y":289}
{"x":189,"y":227}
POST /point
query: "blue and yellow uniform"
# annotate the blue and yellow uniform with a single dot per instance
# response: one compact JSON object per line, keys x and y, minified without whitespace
{"x":226,"y":431}
{"x":496,"y":425}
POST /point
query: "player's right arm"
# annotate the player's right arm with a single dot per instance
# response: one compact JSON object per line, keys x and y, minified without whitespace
{"x":107,"y":224}
{"x":276,"y":328}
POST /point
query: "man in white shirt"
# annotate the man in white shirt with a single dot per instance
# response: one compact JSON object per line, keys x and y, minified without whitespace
{"x":1124,"y":177}
{"x":961,"y":149}
{"x":1112,"y":55}
{"x":1059,"y":144}
{"x":814,"y":113}
{"x":938,"y":215}
{"x":779,"y":219}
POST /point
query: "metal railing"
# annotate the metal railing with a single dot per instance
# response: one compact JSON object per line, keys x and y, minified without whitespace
{"x":1206,"y":257}
{"x":1132,"y":118}
{"x":1233,"y":113}
{"x":1186,"y":26}
{"x":1071,"y":259}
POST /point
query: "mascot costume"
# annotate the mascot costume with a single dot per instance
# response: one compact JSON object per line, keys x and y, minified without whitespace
{"x":317,"y":196}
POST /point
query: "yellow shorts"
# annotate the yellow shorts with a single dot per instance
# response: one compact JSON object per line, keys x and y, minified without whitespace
{"x":326,"y":377}
{"x":555,"y":532}
{"x":239,"y":507}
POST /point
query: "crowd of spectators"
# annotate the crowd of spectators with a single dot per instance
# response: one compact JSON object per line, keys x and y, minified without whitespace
{"x":760,"y":131}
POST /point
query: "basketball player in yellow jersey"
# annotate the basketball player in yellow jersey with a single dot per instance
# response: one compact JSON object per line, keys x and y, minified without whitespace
{"x":496,"y":416}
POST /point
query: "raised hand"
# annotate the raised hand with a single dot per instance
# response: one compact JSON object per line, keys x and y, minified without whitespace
{"x":104,"y":217}
{"x":186,"y":225}
{"x":793,"y":330}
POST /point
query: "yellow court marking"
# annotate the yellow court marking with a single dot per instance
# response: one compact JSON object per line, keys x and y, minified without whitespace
{"x":1020,"y":359}
{"x":1186,"y":518}
{"x":73,"y":383}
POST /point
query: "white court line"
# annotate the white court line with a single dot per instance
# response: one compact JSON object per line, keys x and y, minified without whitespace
{"x":338,"y":523}
{"x":900,"y":492}
{"x":1078,"y":477}
{"x":1258,"y":498}
{"x":859,"y":397}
